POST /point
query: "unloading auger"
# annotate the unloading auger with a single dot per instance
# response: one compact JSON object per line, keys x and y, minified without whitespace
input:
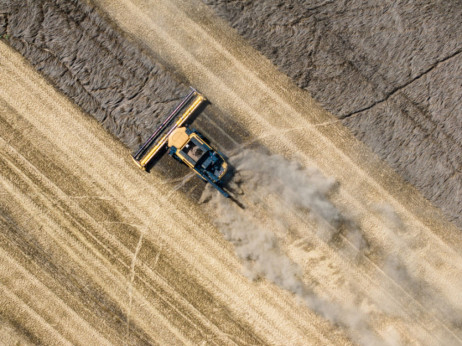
{"x":186,"y":145}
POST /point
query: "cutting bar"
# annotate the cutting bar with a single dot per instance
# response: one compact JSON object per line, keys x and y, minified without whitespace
{"x":144,"y":155}
{"x":166,"y":122}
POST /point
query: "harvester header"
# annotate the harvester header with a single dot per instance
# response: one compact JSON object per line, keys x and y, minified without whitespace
{"x":154,"y":145}
{"x":185,"y":145}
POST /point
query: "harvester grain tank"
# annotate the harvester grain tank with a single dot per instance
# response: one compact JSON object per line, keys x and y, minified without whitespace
{"x":186,"y":145}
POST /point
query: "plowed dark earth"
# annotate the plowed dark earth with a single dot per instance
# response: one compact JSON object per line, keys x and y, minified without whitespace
{"x":95,"y":252}
{"x":94,"y":65}
{"x":389,"y":70}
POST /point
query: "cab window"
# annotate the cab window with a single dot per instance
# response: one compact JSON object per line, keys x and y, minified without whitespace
{"x":194,"y":150}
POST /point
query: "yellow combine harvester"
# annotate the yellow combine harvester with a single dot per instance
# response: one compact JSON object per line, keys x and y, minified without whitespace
{"x":185,"y":145}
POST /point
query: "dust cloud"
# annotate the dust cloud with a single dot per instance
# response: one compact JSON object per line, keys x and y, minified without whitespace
{"x":275,"y":192}
{"x":284,"y":203}
{"x":401,"y":266}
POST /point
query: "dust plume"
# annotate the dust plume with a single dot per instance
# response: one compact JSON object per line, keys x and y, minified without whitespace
{"x":286,"y":203}
{"x":283,"y":191}
{"x":401,"y":266}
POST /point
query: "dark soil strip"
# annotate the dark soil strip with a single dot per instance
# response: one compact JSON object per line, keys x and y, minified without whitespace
{"x":390,"y":70}
{"x":103,"y":73}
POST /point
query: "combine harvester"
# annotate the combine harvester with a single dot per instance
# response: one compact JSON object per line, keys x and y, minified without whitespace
{"x":186,"y":145}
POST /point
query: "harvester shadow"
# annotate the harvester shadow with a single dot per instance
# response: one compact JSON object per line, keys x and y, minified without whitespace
{"x":234,"y":200}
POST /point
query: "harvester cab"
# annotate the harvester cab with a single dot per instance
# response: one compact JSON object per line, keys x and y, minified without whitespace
{"x":186,"y":145}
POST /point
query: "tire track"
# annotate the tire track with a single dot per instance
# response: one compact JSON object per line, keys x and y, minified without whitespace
{"x":196,"y":272}
{"x":114,"y":251}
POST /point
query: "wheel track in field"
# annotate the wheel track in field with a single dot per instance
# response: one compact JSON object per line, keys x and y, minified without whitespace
{"x":50,"y":172}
